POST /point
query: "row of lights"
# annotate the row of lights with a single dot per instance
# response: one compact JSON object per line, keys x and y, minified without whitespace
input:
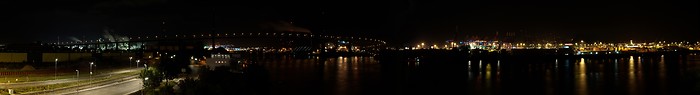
{"x":202,"y":35}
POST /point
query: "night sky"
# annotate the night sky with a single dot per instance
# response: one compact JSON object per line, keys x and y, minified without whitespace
{"x":400,"y":22}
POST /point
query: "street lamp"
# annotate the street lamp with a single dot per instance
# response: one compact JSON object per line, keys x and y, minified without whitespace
{"x":144,"y":83}
{"x":137,"y":63}
{"x":130,"y":59}
{"x":55,"y":67}
{"x":77,"y":75}
{"x":146,"y":79}
{"x":91,"y":63}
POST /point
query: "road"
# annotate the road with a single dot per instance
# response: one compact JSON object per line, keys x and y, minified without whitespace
{"x":49,"y":82}
{"x":121,"y":88}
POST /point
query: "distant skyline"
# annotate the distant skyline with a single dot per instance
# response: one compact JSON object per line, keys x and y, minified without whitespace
{"x":396,"y":21}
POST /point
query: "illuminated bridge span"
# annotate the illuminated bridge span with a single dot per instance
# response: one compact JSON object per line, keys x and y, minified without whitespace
{"x":305,"y":41}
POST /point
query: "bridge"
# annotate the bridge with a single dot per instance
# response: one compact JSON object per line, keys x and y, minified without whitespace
{"x":231,"y":41}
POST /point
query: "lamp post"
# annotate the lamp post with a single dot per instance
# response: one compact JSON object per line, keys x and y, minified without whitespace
{"x":143,"y":88}
{"x":91,"y":63}
{"x":55,"y":67}
{"x":146,"y":79}
{"x":130,"y":59}
{"x":137,"y":63}
{"x":77,"y":76}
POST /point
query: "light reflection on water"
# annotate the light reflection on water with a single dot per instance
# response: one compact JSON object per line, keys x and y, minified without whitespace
{"x":631,"y":79}
{"x":581,"y":76}
{"x":581,"y":79}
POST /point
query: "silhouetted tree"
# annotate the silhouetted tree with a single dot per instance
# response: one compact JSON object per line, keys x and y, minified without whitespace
{"x":151,"y":78}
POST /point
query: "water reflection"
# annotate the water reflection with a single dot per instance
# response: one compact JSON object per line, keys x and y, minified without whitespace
{"x":662,"y":74}
{"x":341,"y":76}
{"x":469,"y":70}
{"x":488,"y":75}
{"x":631,"y":78}
{"x":582,"y":76}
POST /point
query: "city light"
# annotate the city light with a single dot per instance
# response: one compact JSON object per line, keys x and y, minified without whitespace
{"x":286,"y":48}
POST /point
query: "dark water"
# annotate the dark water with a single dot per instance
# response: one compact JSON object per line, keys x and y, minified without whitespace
{"x":653,"y":75}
